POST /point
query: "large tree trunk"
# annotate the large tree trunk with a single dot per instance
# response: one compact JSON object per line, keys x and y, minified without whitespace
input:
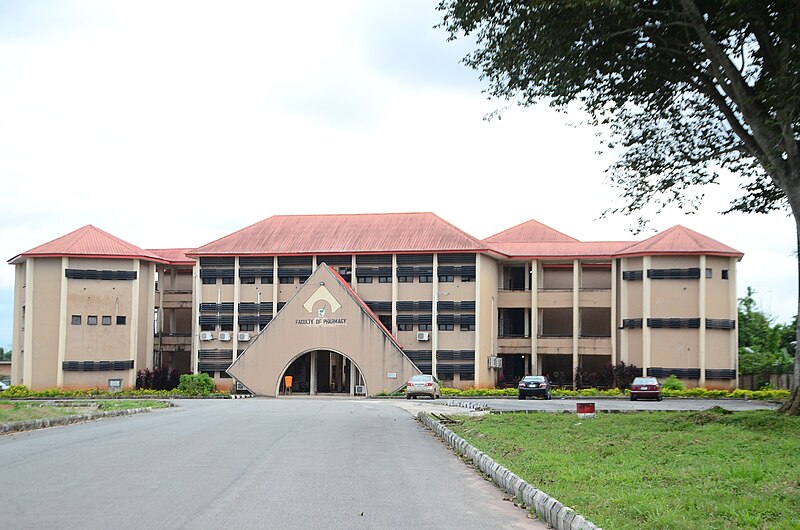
{"x":792,"y":407}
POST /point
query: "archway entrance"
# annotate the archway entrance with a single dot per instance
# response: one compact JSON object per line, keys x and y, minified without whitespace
{"x":322,"y":372}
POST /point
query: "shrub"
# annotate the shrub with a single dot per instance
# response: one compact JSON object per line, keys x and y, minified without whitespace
{"x":157,"y":379}
{"x":672,"y":383}
{"x":196,"y":384}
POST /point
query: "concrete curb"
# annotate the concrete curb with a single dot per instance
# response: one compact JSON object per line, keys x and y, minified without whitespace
{"x":241,"y":396}
{"x":30,"y":425}
{"x":546,"y":507}
{"x":468,"y":404}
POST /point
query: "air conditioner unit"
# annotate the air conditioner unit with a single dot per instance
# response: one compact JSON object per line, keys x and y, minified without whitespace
{"x":206,"y":335}
{"x":423,"y":336}
{"x":224,"y":336}
{"x":244,"y":336}
{"x":495,"y":362}
{"x":360,"y":390}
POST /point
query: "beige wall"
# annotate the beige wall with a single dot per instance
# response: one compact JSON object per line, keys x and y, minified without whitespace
{"x":45,"y":324}
{"x":486,"y":319}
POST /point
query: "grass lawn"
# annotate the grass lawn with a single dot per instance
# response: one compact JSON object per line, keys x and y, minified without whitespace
{"x":709,"y":469}
{"x":31,"y":410}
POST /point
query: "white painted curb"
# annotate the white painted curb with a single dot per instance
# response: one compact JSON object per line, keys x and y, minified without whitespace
{"x":546,"y":507}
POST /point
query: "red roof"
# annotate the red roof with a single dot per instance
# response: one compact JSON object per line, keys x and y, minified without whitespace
{"x":175,"y":256}
{"x":345,"y":234}
{"x":680,"y":240}
{"x":558,"y":249}
{"x":529,"y":232}
{"x":89,"y":242}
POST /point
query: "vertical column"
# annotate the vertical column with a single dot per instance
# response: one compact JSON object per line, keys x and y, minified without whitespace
{"x":646,"y":308}
{"x":197,"y":298}
{"x":353,"y":375}
{"x":313,"y":263}
{"x":27,"y":365}
{"x":274,"y":285}
{"x":613,"y":312}
{"x":534,"y":286}
{"x":134,"y":331}
{"x":734,"y":313}
{"x":149,"y":336}
{"x":701,"y":306}
{"x":62,"y":323}
{"x":353,"y":279}
{"x":395,"y":289}
{"x":624,"y":347}
{"x":435,"y":314}
{"x":237,"y":284}
{"x":312,"y":384}
{"x":480,"y":360}
{"x":576,"y":315}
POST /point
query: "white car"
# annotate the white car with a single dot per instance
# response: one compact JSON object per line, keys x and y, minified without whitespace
{"x":4,"y":385}
{"x":423,"y":385}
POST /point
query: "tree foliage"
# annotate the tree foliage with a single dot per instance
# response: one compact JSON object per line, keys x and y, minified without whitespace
{"x":764,"y":347}
{"x":686,"y":90}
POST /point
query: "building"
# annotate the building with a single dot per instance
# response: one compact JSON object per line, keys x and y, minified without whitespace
{"x":356,"y":303}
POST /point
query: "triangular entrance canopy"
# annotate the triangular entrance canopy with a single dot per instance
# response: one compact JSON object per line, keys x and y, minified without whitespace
{"x":324,"y":314}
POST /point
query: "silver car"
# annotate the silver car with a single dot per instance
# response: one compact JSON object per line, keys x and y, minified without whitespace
{"x":423,"y":385}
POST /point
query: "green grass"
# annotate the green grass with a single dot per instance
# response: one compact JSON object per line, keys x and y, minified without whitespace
{"x":28,"y":410}
{"x":661,"y":470}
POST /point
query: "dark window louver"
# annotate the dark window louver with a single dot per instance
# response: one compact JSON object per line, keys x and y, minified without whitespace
{"x":335,"y":260}
{"x":96,"y":366}
{"x":414,"y":258}
{"x":682,"y":373}
{"x":418,"y":356}
{"x":255,"y":273}
{"x":632,"y":323}
{"x":416,"y":305}
{"x":673,"y":274}
{"x":225,"y":307}
{"x":632,"y":275}
{"x":449,"y":270}
{"x":456,"y":258}
{"x":414,"y":319}
{"x":673,"y":323}
{"x":289,"y":261}
{"x":720,"y":323}
{"x":216,"y":273}
{"x":414,"y":271}
{"x":254,"y":307}
{"x":374,"y":259}
{"x":90,"y":274}
{"x":216,"y":262}
{"x":373,"y":271}
{"x":720,"y":373}
{"x":257,"y":262}
{"x":456,"y":355}
{"x":449,"y":305}
{"x":379,"y":306}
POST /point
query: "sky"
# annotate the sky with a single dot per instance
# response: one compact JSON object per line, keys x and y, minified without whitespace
{"x":173,"y":123}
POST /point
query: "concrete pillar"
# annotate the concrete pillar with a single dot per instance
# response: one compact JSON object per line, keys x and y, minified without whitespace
{"x":63,"y":323}
{"x":435,"y":314}
{"x":734,"y":314}
{"x":534,"y":286}
{"x":614,"y":312}
{"x":480,"y":360}
{"x":701,"y":306}
{"x":646,"y":309}
{"x":274,"y":286}
{"x":576,"y":315}
{"x":312,"y":383}
{"x":134,"y":331}
{"x":353,"y":375}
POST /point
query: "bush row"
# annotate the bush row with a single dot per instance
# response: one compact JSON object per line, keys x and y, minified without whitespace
{"x":593,"y":392}
{"x":19,"y":391}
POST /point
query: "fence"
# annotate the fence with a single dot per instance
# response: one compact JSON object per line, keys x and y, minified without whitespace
{"x":757,"y":381}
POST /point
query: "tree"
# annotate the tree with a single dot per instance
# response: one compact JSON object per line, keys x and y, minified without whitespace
{"x":763,"y":346}
{"x":686,"y":91}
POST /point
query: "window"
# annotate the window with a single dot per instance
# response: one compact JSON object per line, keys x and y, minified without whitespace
{"x":467,"y":278}
{"x":467,"y":327}
{"x":364,"y":279}
{"x":106,"y":320}
{"x":286,"y":279}
{"x":446,"y":278}
{"x":708,"y":273}
{"x":725,"y":274}
{"x":425,"y":327}
{"x":405,"y":279}
{"x":226,"y":327}
{"x":384,"y":279}
{"x":247,"y":327}
{"x":445,"y":327}
{"x":227,"y":281}
{"x":76,"y":320}
{"x":426,"y":278}
{"x":405,"y":327}
{"x":224,"y":375}
{"x":248,"y":281}
{"x":121,"y":320}
{"x":386,"y":320}
{"x":209,"y":281}
{"x":266,"y":280}
{"x":91,"y":320}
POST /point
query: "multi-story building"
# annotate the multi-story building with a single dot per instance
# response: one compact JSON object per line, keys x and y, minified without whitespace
{"x":356,"y":303}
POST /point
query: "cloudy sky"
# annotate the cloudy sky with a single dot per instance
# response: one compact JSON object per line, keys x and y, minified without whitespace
{"x":173,"y":123}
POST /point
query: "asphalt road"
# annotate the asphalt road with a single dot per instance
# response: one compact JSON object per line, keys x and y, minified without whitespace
{"x":251,"y":463}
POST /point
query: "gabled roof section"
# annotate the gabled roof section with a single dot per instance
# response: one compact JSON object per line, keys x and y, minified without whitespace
{"x":175,"y":256}
{"x":91,"y":242}
{"x":565,"y":249}
{"x":345,"y":234}
{"x":529,"y":232}
{"x":679,"y":240}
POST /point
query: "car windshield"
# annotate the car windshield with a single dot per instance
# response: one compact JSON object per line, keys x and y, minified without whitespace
{"x":645,"y":381}
{"x":534,"y":378}
{"x":418,"y":378}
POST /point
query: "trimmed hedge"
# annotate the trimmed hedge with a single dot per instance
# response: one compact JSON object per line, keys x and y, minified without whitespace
{"x":20,"y":391}
{"x":777,"y":395}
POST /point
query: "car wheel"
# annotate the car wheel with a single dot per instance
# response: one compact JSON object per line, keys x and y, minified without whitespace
{"x":633,"y":398}
{"x":520,"y":397}
{"x":408,"y":397}
{"x":549,"y":396}
{"x":659,"y":398}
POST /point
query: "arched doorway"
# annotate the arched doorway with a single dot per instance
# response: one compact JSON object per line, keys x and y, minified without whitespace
{"x":321,"y":371}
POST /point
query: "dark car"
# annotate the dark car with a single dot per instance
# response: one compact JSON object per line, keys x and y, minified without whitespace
{"x":534,"y":385}
{"x":646,"y":388}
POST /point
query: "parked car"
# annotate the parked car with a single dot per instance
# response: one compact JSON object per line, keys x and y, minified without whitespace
{"x":534,"y":385}
{"x":423,"y":385}
{"x":645,"y":387}
{"x":4,"y":384}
